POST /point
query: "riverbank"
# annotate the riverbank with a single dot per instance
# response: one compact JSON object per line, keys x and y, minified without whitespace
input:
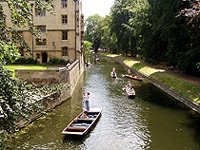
{"x":183,"y":89}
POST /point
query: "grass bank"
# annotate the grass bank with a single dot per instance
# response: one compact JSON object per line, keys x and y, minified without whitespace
{"x":181,"y":86}
{"x":26,"y":67}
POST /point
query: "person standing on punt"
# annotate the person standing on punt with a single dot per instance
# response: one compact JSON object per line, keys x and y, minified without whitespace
{"x":113,"y":73}
{"x":87,"y":101}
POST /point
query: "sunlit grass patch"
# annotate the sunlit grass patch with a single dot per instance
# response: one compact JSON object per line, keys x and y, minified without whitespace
{"x":197,"y":100}
{"x":112,"y":55}
{"x":130,"y":63}
{"x":25,"y":67}
{"x":149,"y":71}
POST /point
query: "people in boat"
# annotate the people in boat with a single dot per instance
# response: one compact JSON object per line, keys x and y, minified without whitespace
{"x":85,"y":115}
{"x":129,"y":86}
{"x":129,"y":71}
{"x":96,"y":57}
{"x":86,"y":99}
{"x":134,"y":76}
{"x":113,"y":73}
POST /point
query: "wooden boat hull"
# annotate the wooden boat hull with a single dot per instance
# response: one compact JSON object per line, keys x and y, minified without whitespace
{"x":113,"y":76}
{"x":131,"y":96}
{"x":134,"y":78}
{"x":80,"y":126}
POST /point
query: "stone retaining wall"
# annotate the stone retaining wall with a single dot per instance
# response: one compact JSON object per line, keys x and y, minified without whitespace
{"x":189,"y":103}
{"x":75,"y":71}
{"x":42,"y":77}
{"x":47,"y":103}
{"x":67,"y":75}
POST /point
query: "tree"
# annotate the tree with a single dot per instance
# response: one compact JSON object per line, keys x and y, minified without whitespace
{"x":87,"y":50}
{"x":93,"y":31}
{"x":108,"y":40}
{"x":138,"y":23}
{"x":120,"y":26}
{"x":191,"y":13}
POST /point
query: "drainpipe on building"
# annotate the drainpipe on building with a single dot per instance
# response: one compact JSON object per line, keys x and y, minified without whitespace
{"x":75,"y":28}
{"x":32,"y":38}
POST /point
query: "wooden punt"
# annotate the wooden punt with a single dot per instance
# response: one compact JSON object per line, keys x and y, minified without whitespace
{"x":133,"y":77}
{"x":130,"y":92}
{"x":80,"y":126}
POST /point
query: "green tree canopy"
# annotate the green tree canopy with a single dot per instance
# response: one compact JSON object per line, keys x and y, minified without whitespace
{"x":108,"y":40}
{"x":87,"y":50}
{"x":120,"y":17}
{"x":93,"y":30}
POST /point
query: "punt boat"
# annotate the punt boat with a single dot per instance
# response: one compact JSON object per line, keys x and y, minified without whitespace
{"x":80,"y":125}
{"x":130,"y":92}
{"x":133,"y":77}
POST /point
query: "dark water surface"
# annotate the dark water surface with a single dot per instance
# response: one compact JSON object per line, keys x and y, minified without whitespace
{"x":152,"y":121}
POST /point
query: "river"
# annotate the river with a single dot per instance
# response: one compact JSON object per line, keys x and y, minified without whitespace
{"x":152,"y":121}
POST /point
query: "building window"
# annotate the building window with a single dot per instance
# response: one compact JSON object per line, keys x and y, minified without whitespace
{"x":40,"y":12}
{"x":64,"y":3}
{"x":41,"y":28}
{"x":64,"y":19}
{"x":64,"y":35}
{"x":41,"y":41}
{"x":38,"y":56}
{"x":64,"y":51}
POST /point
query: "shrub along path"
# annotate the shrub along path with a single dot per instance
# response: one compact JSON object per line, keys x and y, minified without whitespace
{"x":185,"y":87}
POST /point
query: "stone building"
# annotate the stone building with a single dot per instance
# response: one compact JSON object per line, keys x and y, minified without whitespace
{"x":62,"y":32}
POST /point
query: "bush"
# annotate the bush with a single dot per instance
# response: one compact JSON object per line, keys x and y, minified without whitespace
{"x":3,"y":136}
{"x":18,"y":99}
{"x":23,"y":60}
{"x":58,"y":61}
{"x":11,"y":99}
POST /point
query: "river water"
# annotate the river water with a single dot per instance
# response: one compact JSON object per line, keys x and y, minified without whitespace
{"x":152,"y":121}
